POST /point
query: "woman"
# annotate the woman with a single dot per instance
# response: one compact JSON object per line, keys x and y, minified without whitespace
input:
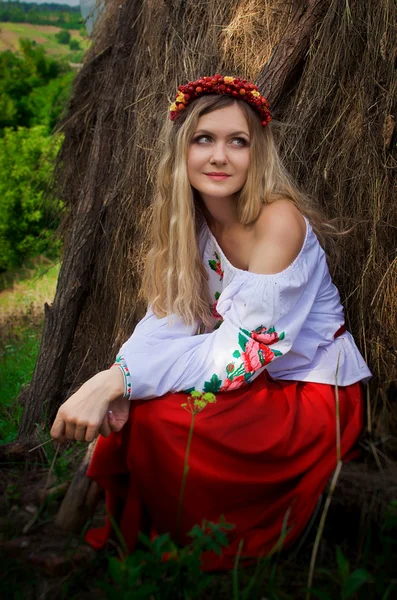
{"x":241,"y":304}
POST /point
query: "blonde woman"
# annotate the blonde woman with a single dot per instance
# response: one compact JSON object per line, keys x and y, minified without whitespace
{"x":241,"y":304}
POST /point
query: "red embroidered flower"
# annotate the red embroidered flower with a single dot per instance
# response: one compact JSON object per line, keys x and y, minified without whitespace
{"x":251,"y":359}
{"x":218,"y":270}
{"x":266,"y":353}
{"x":233,"y":384}
{"x":264,"y":337}
{"x":214,"y":312}
{"x":230,"y":367}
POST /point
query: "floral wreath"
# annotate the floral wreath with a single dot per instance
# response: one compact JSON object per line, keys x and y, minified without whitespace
{"x":217,"y":84}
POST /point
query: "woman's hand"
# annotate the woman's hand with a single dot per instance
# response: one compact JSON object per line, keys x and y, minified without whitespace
{"x":85,"y":414}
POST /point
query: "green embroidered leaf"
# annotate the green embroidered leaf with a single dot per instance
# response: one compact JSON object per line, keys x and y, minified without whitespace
{"x":216,"y":256}
{"x":236,"y":354}
{"x":189,"y":391}
{"x":218,"y":324}
{"x":212,"y":264}
{"x":271,"y":330}
{"x":281,"y":336}
{"x":242,"y":341}
{"x":217,"y":294}
{"x":276,"y":352}
{"x":247,"y":376}
{"x":214,"y":385}
{"x":247,"y":333}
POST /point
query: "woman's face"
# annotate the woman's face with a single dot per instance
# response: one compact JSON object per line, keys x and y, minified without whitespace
{"x":219,"y":153}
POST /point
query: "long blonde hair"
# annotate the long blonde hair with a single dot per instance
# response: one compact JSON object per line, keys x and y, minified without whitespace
{"x":174,"y":279}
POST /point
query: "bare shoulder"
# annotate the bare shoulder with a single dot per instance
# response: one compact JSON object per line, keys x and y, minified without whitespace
{"x":279,"y":234}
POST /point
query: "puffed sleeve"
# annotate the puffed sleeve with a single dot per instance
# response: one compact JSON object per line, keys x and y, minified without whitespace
{"x":261,"y":317}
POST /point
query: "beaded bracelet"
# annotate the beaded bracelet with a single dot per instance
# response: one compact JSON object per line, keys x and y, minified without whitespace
{"x":122,"y":365}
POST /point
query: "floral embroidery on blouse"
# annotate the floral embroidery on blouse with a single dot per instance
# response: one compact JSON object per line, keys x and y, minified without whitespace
{"x":214,"y":311}
{"x":216,"y":266}
{"x":253,"y":354}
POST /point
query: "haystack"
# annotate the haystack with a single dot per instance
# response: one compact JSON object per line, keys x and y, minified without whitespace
{"x":334,"y":118}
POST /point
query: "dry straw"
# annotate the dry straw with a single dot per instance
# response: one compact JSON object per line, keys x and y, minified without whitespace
{"x":337,"y":138}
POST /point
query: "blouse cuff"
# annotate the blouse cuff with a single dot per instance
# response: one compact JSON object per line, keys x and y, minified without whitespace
{"x":122,"y":365}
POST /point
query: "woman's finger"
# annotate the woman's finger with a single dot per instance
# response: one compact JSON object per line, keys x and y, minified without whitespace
{"x":80,"y":432}
{"x":105,"y":428}
{"x":91,"y":433}
{"x":70,"y":431}
{"x":58,"y":429}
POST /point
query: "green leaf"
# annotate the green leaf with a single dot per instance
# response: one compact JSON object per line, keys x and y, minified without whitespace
{"x":320,"y":594}
{"x":242,"y":340}
{"x":236,"y":354}
{"x":115,"y":568}
{"x":343,"y":565}
{"x":189,"y":391}
{"x":354,"y":582}
{"x":276,"y":352}
{"x":212,"y":264}
{"x":214,"y":385}
{"x":217,"y":295}
{"x":281,"y":336}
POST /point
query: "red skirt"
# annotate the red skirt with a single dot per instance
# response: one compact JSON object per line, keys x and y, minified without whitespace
{"x":259,"y":453}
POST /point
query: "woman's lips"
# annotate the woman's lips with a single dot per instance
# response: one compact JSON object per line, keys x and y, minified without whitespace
{"x":217,"y":176}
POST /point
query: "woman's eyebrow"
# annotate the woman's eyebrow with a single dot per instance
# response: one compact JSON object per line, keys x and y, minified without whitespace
{"x":208,"y":132}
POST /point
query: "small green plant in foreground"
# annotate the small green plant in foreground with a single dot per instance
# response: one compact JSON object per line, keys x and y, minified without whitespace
{"x":163,"y":569}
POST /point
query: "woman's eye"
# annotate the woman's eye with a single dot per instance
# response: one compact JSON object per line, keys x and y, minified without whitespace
{"x":239,"y":142}
{"x":202,"y":139}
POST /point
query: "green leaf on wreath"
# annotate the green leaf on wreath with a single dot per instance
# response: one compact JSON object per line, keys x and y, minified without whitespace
{"x":214,"y":385}
{"x":236,"y":354}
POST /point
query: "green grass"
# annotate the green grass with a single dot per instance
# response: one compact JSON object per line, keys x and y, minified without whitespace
{"x":23,"y":294}
{"x":41,"y":34}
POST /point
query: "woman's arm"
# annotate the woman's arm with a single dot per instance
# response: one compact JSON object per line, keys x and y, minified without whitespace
{"x":85,"y":413}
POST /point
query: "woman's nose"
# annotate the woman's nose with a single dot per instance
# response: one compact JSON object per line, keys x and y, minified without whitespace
{"x":219,"y":155}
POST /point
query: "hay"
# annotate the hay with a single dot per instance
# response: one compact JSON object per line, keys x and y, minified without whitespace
{"x":337,"y":138}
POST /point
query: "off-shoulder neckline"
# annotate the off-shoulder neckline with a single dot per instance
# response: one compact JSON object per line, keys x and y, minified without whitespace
{"x":242,"y":272}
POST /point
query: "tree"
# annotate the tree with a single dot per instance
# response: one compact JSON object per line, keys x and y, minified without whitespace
{"x":29,"y":216}
{"x":30,"y":85}
{"x":63,"y":36}
{"x":74,"y":45}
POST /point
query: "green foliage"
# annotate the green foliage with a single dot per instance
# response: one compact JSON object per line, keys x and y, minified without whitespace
{"x":63,"y":36}
{"x":74,"y":44}
{"x":64,"y":16}
{"x":165,"y":570}
{"x":33,"y":87}
{"x":23,"y":341}
{"x":28,"y":217}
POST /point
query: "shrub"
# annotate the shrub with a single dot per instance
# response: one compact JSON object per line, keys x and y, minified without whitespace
{"x":28,"y":215}
{"x":63,"y":36}
{"x":74,"y":45}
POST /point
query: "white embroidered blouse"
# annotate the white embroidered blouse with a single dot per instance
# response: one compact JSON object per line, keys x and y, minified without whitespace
{"x":284,"y":323}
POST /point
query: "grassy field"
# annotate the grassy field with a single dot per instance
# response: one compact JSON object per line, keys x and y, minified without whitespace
{"x":22,"y":297}
{"x":41,"y":34}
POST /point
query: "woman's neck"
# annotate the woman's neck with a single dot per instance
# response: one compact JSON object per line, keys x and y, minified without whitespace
{"x":221,"y":214}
